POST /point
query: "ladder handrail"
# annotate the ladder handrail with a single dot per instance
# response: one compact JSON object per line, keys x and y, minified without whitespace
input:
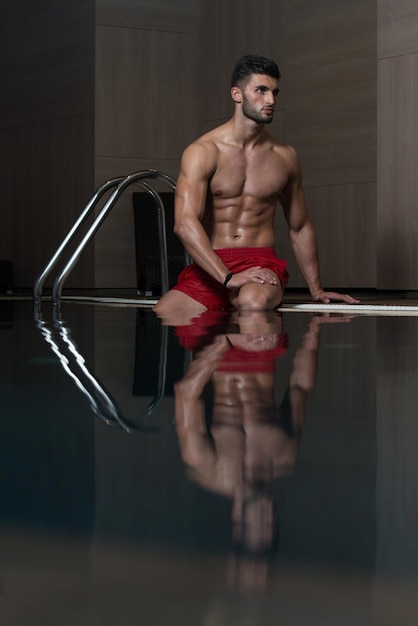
{"x":105,"y":210}
{"x":40,"y":280}
{"x":121,"y":184}
{"x":63,"y":275}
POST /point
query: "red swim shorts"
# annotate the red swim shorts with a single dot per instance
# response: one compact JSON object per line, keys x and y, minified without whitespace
{"x":239,"y":360}
{"x":203,"y":329}
{"x":199,"y":285}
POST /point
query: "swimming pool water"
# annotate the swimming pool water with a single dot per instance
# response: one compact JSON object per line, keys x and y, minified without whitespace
{"x":129,"y":497}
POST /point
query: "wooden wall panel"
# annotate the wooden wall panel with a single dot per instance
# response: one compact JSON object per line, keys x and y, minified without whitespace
{"x":181,"y":16}
{"x":145,"y":93}
{"x":398,"y":28}
{"x":46,"y":113}
{"x":327,"y":31}
{"x":332,"y":125}
{"x":228,"y":31}
{"x":397,"y":151}
{"x":330,"y":95}
{"x":397,"y":173}
{"x":329,"y":66}
{"x":344,"y":217}
{"x":146,"y":112}
{"x":47,"y":181}
{"x":47,"y":64}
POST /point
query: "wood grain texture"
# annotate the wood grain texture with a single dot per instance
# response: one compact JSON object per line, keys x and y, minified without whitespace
{"x":397,"y":158}
{"x":330,"y":89}
{"x":47,"y":67}
{"x":47,"y":181}
{"x":179,"y":16}
{"x":344,"y":218}
{"x":146,"y":114}
{"x":332,"y":126}
{"x":47,"y":147}
{"x":146,"y":93}
{"x":397,"y":28}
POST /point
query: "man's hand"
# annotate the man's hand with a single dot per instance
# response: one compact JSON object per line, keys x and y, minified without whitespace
{"x":327,"y":296}
{"x":260,"y":275}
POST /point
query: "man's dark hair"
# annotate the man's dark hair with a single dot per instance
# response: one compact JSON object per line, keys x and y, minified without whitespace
{"x":253,"y":64}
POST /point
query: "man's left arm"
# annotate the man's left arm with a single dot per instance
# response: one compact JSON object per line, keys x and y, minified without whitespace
{"x":303,"y":238}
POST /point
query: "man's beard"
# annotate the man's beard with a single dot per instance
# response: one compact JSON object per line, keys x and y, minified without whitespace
{"x":252,"y":114}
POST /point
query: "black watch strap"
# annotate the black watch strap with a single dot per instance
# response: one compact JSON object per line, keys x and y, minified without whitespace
{"x":228,"y":278}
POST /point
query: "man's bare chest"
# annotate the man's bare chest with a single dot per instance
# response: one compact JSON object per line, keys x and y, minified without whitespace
{"x":260,"y":176}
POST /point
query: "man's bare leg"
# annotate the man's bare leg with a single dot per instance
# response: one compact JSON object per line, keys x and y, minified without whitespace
{"x":176,"y":308}
{"x":258,"y":297}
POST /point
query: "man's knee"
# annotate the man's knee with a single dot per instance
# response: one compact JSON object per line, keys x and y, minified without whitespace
{"x":160,"y":307}
{"x":258,"y":297}
{"x":253,"y":299}
{"x":175,"y":307}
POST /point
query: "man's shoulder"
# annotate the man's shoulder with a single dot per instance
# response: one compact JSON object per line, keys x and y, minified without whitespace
{"x":286,"y":152}
{"x":207,"y":147}
{"x":284,"y":149}
{"x":201,"y":155}
{"x":212,"y":139}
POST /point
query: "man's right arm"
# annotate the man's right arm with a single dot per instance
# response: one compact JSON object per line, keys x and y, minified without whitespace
{"x":197,"y":166}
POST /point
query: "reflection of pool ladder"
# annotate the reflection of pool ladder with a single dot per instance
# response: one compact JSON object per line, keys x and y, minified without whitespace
{"x":102,"y":403}
{"x":119,"y":185}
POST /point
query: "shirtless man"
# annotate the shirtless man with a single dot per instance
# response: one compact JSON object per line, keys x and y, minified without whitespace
{"x":230,"y":181}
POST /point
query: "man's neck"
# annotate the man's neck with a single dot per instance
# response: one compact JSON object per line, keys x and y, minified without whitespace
{"x":246,"y":132}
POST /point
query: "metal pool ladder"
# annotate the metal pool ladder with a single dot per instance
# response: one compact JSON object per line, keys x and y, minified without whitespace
{"x":119,"y":185}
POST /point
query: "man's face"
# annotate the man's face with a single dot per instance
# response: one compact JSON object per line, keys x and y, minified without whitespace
{"x":259,"y":98}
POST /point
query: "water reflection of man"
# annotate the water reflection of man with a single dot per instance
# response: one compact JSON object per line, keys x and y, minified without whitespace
{"x":251,"y":441}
